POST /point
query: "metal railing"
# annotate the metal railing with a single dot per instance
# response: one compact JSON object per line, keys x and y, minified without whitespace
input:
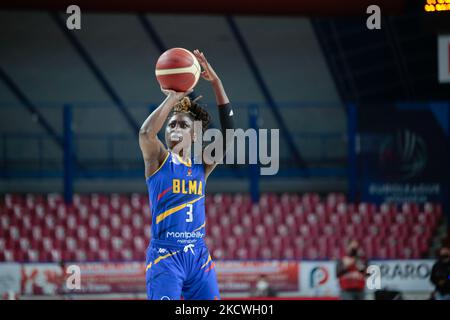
{"x":28,"y":154}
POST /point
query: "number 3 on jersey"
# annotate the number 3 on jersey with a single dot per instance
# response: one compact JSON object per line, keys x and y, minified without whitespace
{"x":190,"y":217}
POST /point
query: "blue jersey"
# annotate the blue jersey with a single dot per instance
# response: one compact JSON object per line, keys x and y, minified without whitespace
{"x":177,"y":201}
{"x":178,"y":262}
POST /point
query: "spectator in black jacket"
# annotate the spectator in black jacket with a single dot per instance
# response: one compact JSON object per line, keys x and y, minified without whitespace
{"x":351,"y":271}
{"x":440,"y":274}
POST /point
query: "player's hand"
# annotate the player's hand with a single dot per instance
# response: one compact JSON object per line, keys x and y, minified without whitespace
{"x":175,"y":95}
{"x":208,"y":72}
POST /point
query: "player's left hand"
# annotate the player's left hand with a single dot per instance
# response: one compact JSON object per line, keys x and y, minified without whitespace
{"x":208,"y":72}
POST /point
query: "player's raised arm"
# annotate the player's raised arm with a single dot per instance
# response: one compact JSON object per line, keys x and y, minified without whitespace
{"x":153,"y":150}
{"x":223,"y":103}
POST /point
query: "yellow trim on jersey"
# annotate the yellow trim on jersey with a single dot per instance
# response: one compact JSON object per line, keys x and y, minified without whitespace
{"x":159,"y":259}
{"x":167,"y":213}
{"x":206,"y":263}
{"x":164,"y":161}
{"x":164,"y":257}
{"x":204,"y":223}
{"x":186,"y":163}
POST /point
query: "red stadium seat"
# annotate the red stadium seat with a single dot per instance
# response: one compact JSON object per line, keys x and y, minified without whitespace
{"x":104,"y":255}
{"x":265,"y":253}
{"x":242,"y":254}
{"x":16,"y":255}
{"x":219,"y":254}
{"x":117,"y":226}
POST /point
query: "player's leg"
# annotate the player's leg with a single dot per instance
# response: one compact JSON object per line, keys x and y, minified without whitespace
{"x":164,"y":279}
{"x":202,"y":282}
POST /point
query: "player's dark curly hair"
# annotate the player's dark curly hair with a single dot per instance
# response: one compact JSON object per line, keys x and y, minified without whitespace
{"x":194,"y":110}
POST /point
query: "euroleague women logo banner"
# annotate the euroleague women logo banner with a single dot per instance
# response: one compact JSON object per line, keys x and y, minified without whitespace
{"x":402,"y":153}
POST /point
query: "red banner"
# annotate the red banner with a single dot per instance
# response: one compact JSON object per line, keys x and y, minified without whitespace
{"x":42,"y":279}
{"x":129,"y":277}
{"x":241,"y":276}
{"x":124,"y":277}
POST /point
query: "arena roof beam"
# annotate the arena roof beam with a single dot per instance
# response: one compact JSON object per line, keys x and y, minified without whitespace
{"x":265,"y":91}
{"x":35,"y":112}
{"x":31,"y":107}
{"x":97,"y":72}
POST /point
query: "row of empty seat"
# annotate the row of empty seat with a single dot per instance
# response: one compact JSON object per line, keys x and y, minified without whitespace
{"x":116,"y":227}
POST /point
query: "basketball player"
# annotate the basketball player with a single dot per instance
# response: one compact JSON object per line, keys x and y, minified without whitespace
{"x":178,"y":261}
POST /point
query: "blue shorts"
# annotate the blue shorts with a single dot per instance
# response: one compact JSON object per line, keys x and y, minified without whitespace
{"x":174,"y":271}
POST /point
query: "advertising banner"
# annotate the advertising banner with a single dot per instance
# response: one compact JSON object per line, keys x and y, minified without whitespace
{"x":241,"y":276}
{"x":42,"y":279}
{"x":120,"y":277}
{"x":307,"y":279}
{"x":10,"y":278}
{"x":318,"y":279}
{"x":406,"y":275}
{"x":444,"y":58}
{"x":49,"y":279}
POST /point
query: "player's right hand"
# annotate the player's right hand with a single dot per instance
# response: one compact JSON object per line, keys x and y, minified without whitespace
{"x":174,"y":94}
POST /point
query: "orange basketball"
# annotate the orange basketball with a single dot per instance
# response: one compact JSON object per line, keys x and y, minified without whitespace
{"x":177,"y":69}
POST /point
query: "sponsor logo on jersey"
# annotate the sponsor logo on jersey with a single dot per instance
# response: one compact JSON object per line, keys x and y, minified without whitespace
{"x":162,"y":251}
{"x":184,"y":234}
